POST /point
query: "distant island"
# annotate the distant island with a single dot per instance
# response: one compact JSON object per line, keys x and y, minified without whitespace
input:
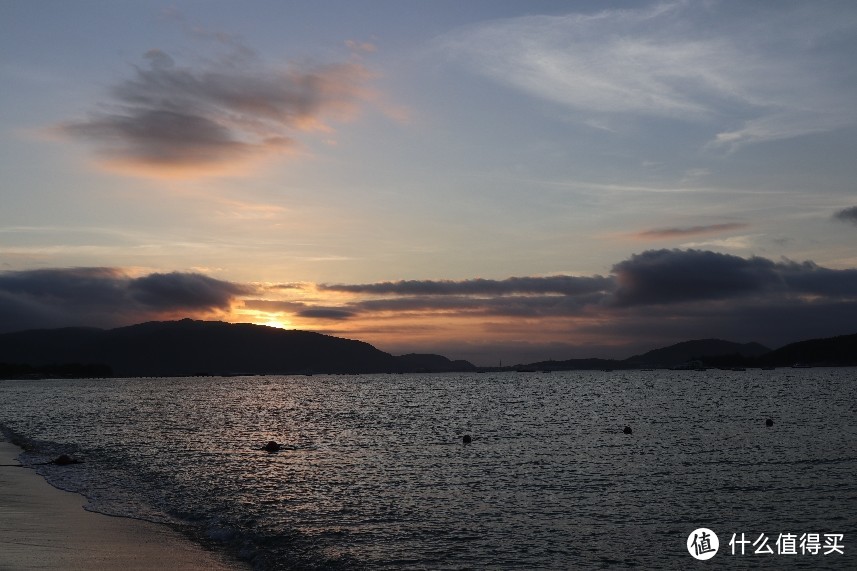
{"x":198,"y":348}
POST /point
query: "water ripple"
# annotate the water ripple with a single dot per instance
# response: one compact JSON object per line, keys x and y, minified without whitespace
{"x":373,"y":471}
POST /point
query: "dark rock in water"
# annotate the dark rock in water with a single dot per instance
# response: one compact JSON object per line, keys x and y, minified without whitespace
{"x":271,"y":447}
{"x":769,"y":422}
{"x":64,"y":460}
{"x":467,"y":439}
{"x":627,"y":430}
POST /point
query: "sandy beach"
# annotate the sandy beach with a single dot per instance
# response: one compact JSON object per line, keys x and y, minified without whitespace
{"x":42,"y":527}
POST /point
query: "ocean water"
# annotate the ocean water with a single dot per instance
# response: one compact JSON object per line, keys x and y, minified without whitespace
{"x":373,"y":473}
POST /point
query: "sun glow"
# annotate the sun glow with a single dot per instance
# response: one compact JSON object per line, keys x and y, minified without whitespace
{"x":278,"y":323}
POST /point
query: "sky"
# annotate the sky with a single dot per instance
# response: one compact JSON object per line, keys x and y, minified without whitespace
{"x":489,"y":180}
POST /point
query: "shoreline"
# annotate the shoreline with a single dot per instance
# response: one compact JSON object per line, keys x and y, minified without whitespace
{"x":43,"y":527}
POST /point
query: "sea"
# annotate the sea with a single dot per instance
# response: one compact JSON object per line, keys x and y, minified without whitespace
{"x":374,"y":472}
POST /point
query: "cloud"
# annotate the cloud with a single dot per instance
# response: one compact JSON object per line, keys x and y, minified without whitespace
{"x":667,"y":233}
{"x":754,"y":74}
{"x":170,"y":120}
{"x":650,"y":299}
{"x":560,"y":285}
{"x":670,"y":276}
{"x":283,"y":286}
{"x":301,"y":309}
{"x":651,"y":278}
{"x":107,"y":297}
{"x":274,"y":305}
{"x":847,"y":215}
{"x":658,"y":277}
{"x":332,"y":313}
{"x":811,"y":279}
{"x":467,"y":306}
{"x":744,"y":242}
{"x":184,"y":291}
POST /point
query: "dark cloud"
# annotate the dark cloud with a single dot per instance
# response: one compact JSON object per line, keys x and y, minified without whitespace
{"x":517,"y":306}
{"x":283,"y":286}
{"x":301,"y":309}
{"x":184,"y":291}
{"x":106,"y":297}
{"x":671,"y":276}
{"x":847,"y":215}
{"x":809,"y":278}
{"x":679,"y":276}
{"x":163,"y":139}
{"x":651,"y":299}
{"x":333,"y":313}
{"x":660,"y":233}
{"x":71,"y":287}
{"x":654,"y":277}
{"x":168,"y":119}
{"x":516,"y":296}
{"x":560,"y":285}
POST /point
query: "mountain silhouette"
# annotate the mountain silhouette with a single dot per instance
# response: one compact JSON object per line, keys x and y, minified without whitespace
{"x":428,"y":363}
{"x":188,"y":347}
{"x":696,"y":350}
{"x":832,"y":351}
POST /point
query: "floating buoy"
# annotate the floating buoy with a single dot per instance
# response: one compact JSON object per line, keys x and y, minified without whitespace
{"x":467,"y":439}
{"x":769,"y":422}
{"x":627,"y":430}
{"x":271,"y":447}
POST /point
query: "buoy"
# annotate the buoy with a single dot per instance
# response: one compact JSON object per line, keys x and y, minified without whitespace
{"x":627,"y":430}
{"x":271,"y":447}
{"x":769,"y":422}
{"x":467,"y":439}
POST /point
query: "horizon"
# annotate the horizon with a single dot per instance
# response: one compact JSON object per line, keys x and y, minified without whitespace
{"x":616,"y":358}
{"x":495,"y":181}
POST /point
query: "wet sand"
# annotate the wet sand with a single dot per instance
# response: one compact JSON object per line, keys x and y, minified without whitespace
{"x":42,"y":527}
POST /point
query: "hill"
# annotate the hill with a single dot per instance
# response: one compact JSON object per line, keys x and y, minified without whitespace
{"x":428,"y":363}
{"x":832,"y":351}
{"x":697,"y":350}
{"x":188,"y":347}
{"x":574,"y":365}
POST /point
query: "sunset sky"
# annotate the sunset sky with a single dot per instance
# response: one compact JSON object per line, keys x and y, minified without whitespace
{"x":483,"y":179}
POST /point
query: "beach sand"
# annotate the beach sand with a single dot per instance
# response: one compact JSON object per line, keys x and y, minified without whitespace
{"x":42,"y":527}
